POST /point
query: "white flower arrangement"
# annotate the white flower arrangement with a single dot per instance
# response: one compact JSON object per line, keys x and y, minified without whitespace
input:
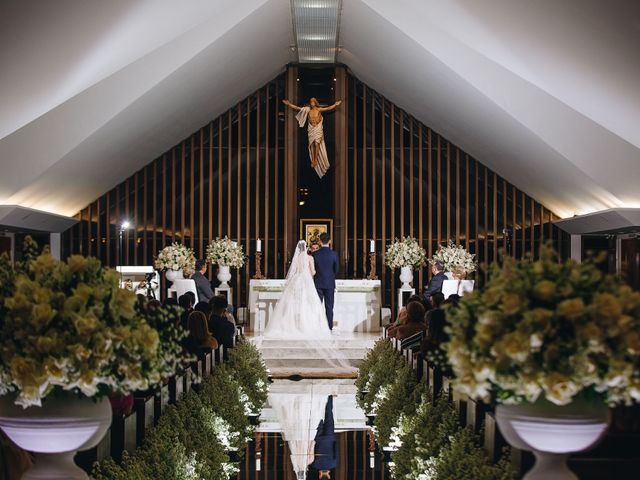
{"x":221,"y":429}
{"x":455,"y":259}
{"x":405,"y":253}
{"x":246,"y":403}
{"x":549,"y":330}
{"x":230,"y":469}
{"x":68,"y":327}
{"x":381,"y":396}
{"x":175,"y":257}
{"x":225,"y":252}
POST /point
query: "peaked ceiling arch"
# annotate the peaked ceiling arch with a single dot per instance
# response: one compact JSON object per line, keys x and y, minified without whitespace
{"x":544,"y":92}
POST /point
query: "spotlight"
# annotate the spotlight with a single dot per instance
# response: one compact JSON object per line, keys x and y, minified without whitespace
{"x":125,"y":225}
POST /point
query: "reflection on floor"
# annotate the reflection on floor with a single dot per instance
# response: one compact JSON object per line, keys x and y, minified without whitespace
{"x":335,"y":358}
{"x":312,"y":426}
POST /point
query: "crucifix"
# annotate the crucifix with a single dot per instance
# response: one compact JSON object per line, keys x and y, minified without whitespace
{"x":317,"y":148}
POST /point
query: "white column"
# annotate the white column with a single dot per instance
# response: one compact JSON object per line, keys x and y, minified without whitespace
{"x":55,"y":245}
{"x":576,"y":248}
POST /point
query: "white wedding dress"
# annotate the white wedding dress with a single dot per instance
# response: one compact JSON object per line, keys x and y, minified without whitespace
{"x":299,"y":314}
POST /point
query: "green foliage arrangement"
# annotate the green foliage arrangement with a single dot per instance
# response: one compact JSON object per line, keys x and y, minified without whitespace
{"x":249,"y":369}
{"x":463,"y":459}
{"x":547,"y":329}
{"x":393,"y":407}
{"x":66,"y":326}
{"x":194,"y":436}
{"x":426,"y":434}
{"x":381,"y":375}
{"x":370,"y":359}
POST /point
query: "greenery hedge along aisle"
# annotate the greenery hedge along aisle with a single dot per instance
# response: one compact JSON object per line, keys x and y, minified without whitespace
{"x":430,"y":444}
{"x":250,"y":370}
{"x":193,"y":437}
{"x":377,"y":374}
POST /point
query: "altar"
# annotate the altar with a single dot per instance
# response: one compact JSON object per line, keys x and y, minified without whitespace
{"x":357,"y":304}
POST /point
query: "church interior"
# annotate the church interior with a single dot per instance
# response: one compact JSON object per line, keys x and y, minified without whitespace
{"x":308,"y":239}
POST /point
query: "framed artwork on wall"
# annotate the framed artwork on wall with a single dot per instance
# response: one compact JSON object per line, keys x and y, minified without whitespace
{"x":312,"y":228}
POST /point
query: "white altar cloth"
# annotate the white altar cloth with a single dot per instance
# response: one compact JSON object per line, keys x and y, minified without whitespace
{"x":356,"y":309}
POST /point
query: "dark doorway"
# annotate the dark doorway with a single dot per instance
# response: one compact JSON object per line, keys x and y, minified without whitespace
{"x":315,"y":195}
{"x":630,"y":261}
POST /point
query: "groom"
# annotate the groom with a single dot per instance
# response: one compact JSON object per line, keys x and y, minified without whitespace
{"x":327,"y":266}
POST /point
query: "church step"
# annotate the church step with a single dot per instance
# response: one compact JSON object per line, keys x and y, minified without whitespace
{"x":312,"y":363}
{"x":294,"y":354}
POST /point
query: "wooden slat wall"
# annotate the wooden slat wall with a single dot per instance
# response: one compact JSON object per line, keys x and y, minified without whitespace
{"x":224,"y":179}
{"x":238,"y":176}
{"x":429,"y":189}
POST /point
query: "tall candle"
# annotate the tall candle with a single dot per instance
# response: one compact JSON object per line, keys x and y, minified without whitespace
{"x":258,"y":245}
{"x":372,"y":246}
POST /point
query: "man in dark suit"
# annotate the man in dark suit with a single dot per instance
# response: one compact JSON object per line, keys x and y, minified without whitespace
{"x":327,"y":266}
{"x":203,"y":287}
{"x":326,"y":449}
{"x":435,"y":285}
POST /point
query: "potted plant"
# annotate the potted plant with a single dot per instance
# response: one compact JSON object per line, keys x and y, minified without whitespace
{"x":226,"y":254}
{"x":552,"y":344}
{"x":69,"y":338}
{"x":176,"y":260}
{"x":456,"y":260}
{"x":405,"y":254}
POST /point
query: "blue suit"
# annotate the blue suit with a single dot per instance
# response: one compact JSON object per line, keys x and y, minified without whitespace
{"x":327,"y":266}
{"x":326,"y":450}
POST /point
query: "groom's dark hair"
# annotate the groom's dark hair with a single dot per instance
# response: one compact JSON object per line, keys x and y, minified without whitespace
{"x":324,"y":238}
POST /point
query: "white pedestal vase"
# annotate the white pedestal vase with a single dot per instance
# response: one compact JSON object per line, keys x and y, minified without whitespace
{"x":406,"y":277}
{"x":552,"y":432}
{"x":55,"y":432}
{"x":173,"y":275}
{"x":224,"y":275}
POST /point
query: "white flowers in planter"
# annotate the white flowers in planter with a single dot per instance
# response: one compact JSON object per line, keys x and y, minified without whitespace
{"x":176,"y":257}
{"x":224,"y":252}
{"x":455,"y":258}
{"x":405,"y":253}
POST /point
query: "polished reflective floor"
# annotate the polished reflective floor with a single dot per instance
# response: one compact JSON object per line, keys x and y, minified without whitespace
{"x":311,"y":428}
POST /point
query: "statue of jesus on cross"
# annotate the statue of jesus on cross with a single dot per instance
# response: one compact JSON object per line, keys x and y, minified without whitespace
{"x":317,"y":148}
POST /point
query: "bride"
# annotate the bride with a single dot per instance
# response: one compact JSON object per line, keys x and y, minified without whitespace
{"x":299,"y":314}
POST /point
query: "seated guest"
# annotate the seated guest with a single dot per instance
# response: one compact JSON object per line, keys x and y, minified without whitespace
{"x":402,"y":315}
{"x":204,"y":307}
{"x":435,"y":323}
{"x":170,"y":302}
{"x":200,"y":339}
{"x":414,"y":324}
{"x":453,"y":299}
{"x":203,"y":286}
{"x":435,"y":284}
{"x":187,"y":306}
{"x":219,"y":324}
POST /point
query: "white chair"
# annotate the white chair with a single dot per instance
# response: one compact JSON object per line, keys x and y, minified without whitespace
{"x":180,"y":287}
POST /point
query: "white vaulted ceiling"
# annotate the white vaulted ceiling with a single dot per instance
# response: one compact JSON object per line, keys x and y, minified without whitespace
{"x":546,"y":93}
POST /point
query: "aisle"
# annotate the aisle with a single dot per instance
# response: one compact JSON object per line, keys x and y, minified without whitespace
{"x":335,"y":358}
{"x":347,"y":450}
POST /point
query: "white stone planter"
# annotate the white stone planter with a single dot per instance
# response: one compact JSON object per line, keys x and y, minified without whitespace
{"x":55,"y":432}
{"x":224,"y":275}
{"x":552,"y":432}
{"x":406,"y":277}
{"x":173,"y":275}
